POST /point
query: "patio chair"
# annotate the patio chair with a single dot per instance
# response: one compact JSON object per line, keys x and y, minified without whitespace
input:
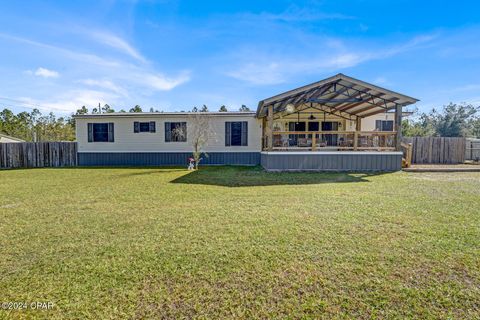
{"x":302,"y":142}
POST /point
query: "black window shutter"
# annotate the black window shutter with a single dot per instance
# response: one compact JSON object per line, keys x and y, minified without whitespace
{"x":90,"y":132}
{"x":136,"y":127}
{"x":244,"y":133}
{"x":152,"y":126}
{"x":184,"y":129}
{"x":110,"y":132}
{"x":228,"y":126}
{"x":378,"y":125}
{"x":168,"y":132}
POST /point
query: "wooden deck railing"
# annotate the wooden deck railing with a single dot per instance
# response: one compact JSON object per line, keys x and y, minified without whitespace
{"x":334,"y":140}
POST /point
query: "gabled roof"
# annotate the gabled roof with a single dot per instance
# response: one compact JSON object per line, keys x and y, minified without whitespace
{"x":10,"y":138}
{"x":340,"y":94}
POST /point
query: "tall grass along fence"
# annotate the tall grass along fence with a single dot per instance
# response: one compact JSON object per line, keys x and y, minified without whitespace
{"x":439,"y":150}
{"x":472,"y":151}
{"x":38,"y":154}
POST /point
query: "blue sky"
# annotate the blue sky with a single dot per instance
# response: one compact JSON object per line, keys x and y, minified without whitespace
{"x":173,"y":55}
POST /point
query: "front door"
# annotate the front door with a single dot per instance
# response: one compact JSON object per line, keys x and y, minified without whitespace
{"x":295,"y":126}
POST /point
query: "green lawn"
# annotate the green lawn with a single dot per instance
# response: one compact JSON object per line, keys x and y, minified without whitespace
{"x":227,"y":242}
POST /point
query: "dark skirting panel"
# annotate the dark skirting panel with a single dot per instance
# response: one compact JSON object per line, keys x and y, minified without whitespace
{"x":332,"y":161}
{"x":164,"y":158}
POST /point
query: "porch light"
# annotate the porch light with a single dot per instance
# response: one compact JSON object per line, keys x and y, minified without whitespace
{"x":312,"y":117}
{"x":290,"y":108}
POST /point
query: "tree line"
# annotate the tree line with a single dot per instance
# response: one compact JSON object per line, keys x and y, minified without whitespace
{"x":453,"y":120}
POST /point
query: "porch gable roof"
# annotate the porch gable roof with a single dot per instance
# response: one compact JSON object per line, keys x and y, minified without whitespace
{"x":340,"y":94}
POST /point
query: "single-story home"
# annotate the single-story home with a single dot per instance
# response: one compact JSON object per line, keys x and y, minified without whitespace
{"x":9,"y":139}
{"x":339,"y":123}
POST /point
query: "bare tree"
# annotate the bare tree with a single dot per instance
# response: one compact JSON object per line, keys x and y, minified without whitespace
{"x":200,"y":134}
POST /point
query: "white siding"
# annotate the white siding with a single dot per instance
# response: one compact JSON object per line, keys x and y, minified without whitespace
{"x":368,"y":124}
{"x":4,"y":139}
{"x":128,"y":141}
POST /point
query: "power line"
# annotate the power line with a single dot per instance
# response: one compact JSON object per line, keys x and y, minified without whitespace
{"x":15,"y":106}
{"x":23,"y":104}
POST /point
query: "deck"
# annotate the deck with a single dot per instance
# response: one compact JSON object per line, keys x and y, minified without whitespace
{"x":359,"y":161}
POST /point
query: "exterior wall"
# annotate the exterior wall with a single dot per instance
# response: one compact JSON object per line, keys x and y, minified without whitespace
{"x":128,"y":141}
{"x":150,"y":149}
{"x":165,"y":158}
{"x":368,"y":124}
{"x":331,"y":161}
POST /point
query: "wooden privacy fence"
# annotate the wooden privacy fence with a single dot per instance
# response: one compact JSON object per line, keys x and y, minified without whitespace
{"x":437,"y":149}
{"x":472,"y":151}
{"x":38,"y":154}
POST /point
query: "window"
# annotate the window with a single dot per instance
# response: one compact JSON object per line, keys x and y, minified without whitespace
{"x":297,"y":126}
{"x":329,"y":126}
{"x":384,"y":125}
{"x":236,"y":133}
{"x":144,"y":127}
{"x":100,"y":132}
{"x":313,"y":126}
{"x":175,"y":131}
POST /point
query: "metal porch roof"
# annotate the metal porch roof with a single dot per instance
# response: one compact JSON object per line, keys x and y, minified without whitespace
{"x":341,"y":95}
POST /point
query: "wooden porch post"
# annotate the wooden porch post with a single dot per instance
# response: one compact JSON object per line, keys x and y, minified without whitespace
{"x":264,"y":132}
{"x":270,"y":127}
{"x":398,"y":128}
{"x":358,"y":127}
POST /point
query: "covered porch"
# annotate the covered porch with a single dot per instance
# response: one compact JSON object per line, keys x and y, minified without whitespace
{"x":338,"y":115}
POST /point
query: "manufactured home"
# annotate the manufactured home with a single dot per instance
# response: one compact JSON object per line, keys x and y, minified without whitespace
{"x":339,"y":123}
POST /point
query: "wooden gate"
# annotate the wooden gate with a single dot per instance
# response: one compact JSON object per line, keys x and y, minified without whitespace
{"x":38,"y":154}
{"x":440,"y":150}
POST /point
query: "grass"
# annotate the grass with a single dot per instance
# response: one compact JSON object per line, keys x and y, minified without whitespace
{"x":230,"y":242}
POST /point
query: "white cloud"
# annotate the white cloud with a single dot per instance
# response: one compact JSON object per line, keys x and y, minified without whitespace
{"x":105,"y":72}
{"x":160,"y":82}
{"x":271,"y":68}
{"x":381,"y":81}
{"x":344,"y":60}
{"x":46,"y":73}
{"x":71,"y":100}
{"x":259,"y":73}
{"x":117,"y":43}
{"x":295,"y":13}
{"x":82,"y":57}
{"x":105,"y":84}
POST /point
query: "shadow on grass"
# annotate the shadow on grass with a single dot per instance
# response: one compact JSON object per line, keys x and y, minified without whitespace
{"x":152,"y":171}
{"x":231,"y":176}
